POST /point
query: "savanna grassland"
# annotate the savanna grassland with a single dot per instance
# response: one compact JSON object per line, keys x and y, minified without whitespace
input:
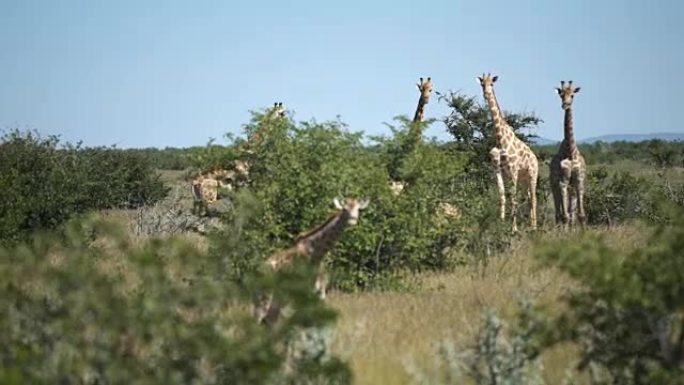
{"x":112,"y":277}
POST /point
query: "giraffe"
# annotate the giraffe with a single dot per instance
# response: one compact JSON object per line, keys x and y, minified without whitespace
{"x":415,"y":132}
{"x":567,"y":168}
{"x":425,"y":88}
{"x":511,"y":158}
{"x":312,"y":245}
{"x":205,"y":185}
{"x":278,"y":111}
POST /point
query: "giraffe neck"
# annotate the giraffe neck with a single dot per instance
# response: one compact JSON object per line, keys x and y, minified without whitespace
{"x":420,"y":110}
{"x":570,"y":143}
{"x":500,"y":126}
{"x":321,"y":239}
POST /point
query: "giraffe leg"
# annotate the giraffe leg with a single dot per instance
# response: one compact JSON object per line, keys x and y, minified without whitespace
{"x":266,"y":310}
{"x":514,"y":201}
{"x":554,"y":179}
{"x":572,"y":207}
{"x":566,"y":170}
{"x":495,"y":157}
{"x":532,"y":191}
{"x":321,"y":284}
{"x":261,"y":305}
{"x":580,"y":200}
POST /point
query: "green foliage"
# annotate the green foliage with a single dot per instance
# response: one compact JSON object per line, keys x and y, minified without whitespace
{"x":44,"y":184}
{"x":211,"y":156}
{"x":500,"y":355}
{"x":295,"y":173}
{"x":403,"y":144}
{"x":616,"y":197}
{"x":627,"y":312}
{"x":90,"y":306}
{"x":661,"y":153}
{"x":168,"y":158}
{"x":472,"y":128}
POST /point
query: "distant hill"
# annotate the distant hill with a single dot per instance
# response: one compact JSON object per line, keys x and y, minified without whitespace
{"x":671,"y":136}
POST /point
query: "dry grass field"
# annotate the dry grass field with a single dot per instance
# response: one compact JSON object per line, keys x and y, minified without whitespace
{"x":383,"y":334}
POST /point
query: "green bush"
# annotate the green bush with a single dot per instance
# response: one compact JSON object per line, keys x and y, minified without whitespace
{"x":616,"y":197}
{"x":44,"y":183}
{"x":90,"y":305}
{"x":626,"y":314}
{"x":296,"y":171}
{"x":168,"y":158}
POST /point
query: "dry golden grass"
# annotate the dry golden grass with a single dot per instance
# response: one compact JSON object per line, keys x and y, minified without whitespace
{"x":379,"y":334}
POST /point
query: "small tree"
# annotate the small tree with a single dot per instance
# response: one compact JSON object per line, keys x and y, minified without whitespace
{"x":472,"y":128}
{"x":663,"y":154}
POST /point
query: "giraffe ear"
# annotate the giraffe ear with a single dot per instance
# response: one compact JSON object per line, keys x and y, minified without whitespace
{"x":577,"y":89}
{"x":494,"y":79}
{"x":479,"y":80}
{"x":558,"y":90}
{"x":337,"y":204}
{"x":363,"y":204}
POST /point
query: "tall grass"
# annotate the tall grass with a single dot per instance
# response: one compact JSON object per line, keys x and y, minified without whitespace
{"x":382,"y":335}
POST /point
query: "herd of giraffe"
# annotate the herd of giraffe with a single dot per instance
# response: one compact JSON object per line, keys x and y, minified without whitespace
{"x":512,"y":160}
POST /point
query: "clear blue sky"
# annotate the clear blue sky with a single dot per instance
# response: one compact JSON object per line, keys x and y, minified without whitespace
{"x":174,"y":73}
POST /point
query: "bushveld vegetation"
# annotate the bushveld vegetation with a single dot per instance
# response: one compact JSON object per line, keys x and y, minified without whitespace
{"x":87,"y":300}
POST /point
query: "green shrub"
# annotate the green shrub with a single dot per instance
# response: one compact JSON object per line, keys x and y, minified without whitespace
{"x":501,"y":355}
{"x":626,"y":314}
{"x":296,"y":171}
{"x":616,"y":197}
{"x":44,"y":183}
{"x":91,"y":306}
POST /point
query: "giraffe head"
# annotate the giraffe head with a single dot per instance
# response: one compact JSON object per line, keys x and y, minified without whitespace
{"x":567,"y":94}
{"x":352,"y":207}
{"x":278,"y":110}
{"x":425,"y":88}
{"x":223,"y":177}
{"x":487,"y":81}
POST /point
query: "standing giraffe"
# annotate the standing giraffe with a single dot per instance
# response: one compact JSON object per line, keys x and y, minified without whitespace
{"x":415,"y":132}
{"x":313,"y":245}
{"x":567,"y":168}
{"x":276,"y":112}
{"x":511,"y":158}
{"x":425,"y":88}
